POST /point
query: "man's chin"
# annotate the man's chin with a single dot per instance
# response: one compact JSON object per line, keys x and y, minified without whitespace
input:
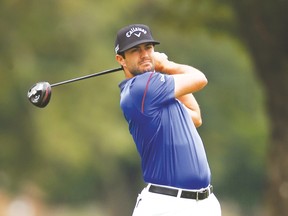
{"x":148,"y":68}
{"x":143,"y":70}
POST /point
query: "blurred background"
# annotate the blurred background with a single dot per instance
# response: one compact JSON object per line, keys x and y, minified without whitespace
{"x":76,"y":157}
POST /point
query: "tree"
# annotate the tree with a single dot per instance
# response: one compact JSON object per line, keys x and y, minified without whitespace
{"x":262,"y":27}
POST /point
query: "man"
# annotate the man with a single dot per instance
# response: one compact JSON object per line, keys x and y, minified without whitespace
{"x":157,"y":102}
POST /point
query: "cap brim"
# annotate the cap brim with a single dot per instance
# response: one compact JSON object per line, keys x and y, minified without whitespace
{"x":137,"y":43}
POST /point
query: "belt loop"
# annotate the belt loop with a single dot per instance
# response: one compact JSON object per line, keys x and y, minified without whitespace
{"x":179,"y":193}
{"x":197,"y":196}
{"x":148,"y":186}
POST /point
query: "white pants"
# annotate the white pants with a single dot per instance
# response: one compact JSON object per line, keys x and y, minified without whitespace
{"x":153,"y":204}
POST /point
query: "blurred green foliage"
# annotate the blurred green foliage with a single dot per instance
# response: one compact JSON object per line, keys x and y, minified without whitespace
{"x":78,"y":148}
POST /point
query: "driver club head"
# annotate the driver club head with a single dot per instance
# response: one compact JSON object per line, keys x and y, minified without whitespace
{"x":39,"y":94}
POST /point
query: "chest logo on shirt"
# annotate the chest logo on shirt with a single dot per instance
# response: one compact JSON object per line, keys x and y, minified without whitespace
{"x":162,"y":79}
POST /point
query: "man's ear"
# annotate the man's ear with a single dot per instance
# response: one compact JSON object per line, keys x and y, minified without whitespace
{"x":120,"y":60}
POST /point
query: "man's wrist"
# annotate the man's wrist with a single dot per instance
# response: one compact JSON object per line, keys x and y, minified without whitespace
{"x":169,"y":67}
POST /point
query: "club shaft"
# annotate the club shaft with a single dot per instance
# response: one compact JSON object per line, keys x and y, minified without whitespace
{"x":86,"y":77}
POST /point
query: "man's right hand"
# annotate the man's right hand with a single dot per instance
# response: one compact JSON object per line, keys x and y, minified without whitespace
{"x":160,"y":60}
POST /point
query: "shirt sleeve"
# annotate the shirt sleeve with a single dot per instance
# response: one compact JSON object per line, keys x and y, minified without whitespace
{"x":152,"y":91}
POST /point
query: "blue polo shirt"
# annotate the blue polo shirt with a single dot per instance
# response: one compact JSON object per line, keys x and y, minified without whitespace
{"x":171,"y":150}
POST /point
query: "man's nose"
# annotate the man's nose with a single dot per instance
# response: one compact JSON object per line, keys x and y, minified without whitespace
{"x":143,"y":53}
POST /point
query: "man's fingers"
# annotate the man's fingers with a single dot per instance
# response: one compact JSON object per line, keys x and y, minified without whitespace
{"x":159,"y":56}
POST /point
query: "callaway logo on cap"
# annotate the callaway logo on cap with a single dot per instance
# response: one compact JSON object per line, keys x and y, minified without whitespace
{"x":131,"y":36}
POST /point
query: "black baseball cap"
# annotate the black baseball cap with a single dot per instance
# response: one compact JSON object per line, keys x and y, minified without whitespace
{"x":131,"y":36}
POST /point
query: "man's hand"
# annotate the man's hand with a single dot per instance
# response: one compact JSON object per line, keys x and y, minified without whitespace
{"x":160,"y":60}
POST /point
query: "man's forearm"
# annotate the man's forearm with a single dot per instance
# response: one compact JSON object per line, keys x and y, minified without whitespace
{"x":193,"y":108}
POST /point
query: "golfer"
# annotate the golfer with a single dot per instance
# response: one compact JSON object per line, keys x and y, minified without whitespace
{"x":162,"y":114}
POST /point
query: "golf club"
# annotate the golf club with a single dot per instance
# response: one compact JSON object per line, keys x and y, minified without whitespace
{"x":40,"y":93}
